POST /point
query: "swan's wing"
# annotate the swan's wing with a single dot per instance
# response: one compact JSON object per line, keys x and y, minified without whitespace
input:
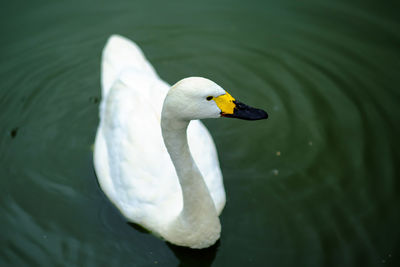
{"x":141,"y":179}
{"x":131,"y":161}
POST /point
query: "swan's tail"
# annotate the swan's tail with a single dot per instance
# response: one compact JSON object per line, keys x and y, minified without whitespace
{"x":121,"y":54}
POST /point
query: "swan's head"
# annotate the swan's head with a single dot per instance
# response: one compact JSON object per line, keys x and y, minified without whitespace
{"x":199,"y":98}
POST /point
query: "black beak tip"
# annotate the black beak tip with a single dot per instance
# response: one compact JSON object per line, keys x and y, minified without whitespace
{"x":245,"y":112}
{"x":258,"y":114}
{"x":264,"y":115}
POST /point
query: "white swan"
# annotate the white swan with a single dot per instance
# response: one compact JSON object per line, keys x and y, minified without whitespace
{"x":160,"y":171}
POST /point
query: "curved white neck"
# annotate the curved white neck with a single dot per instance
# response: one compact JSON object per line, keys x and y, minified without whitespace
{"x":198,"y":223}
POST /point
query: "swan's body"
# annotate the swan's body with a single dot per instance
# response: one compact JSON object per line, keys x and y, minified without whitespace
{"x":141,"y":129}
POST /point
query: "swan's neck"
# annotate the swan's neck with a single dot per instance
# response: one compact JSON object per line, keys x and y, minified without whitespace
{"x":198,"y":219}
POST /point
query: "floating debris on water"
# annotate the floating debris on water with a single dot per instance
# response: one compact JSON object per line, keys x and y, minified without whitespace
{"x":310,"y":143}
{"x":275,"y":172}
{"x":278,"y":153}
{"x":94,"y":99}
{"x":14,"y":132}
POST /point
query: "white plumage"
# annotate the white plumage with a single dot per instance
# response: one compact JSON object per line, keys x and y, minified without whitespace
{"x":133,"y":166}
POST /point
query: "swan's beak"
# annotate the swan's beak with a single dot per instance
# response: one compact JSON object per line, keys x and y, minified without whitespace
{"x":232,"y":108}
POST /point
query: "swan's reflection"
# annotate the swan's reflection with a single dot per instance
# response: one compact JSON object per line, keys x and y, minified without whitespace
{"x":195,"y":257}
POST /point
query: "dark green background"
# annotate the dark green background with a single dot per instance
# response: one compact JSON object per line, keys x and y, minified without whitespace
{"x":315,"y":185}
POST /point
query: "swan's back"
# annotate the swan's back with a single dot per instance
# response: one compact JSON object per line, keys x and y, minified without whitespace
{"x":132,"y":164}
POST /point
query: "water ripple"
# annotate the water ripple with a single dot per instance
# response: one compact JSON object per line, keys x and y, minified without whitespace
{"x":314,"y":185}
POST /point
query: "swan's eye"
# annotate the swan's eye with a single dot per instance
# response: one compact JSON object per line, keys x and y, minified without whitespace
{"x":209,"y":98}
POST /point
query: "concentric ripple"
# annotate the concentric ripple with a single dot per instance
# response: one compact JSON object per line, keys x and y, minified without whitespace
{"x":314,"y":185}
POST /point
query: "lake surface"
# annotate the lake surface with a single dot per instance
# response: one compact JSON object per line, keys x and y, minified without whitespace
{"x":317,"y":184}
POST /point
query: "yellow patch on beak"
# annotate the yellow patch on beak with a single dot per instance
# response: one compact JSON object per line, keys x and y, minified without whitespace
{"x":225,"y":103}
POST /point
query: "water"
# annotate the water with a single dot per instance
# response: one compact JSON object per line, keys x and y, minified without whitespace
{"x":314,"y":185}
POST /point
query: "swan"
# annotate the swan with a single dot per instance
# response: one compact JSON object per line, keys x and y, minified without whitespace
{"x":154,"y":159}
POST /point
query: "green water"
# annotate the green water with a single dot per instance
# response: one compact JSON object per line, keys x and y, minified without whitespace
{"x":317,"y":184}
